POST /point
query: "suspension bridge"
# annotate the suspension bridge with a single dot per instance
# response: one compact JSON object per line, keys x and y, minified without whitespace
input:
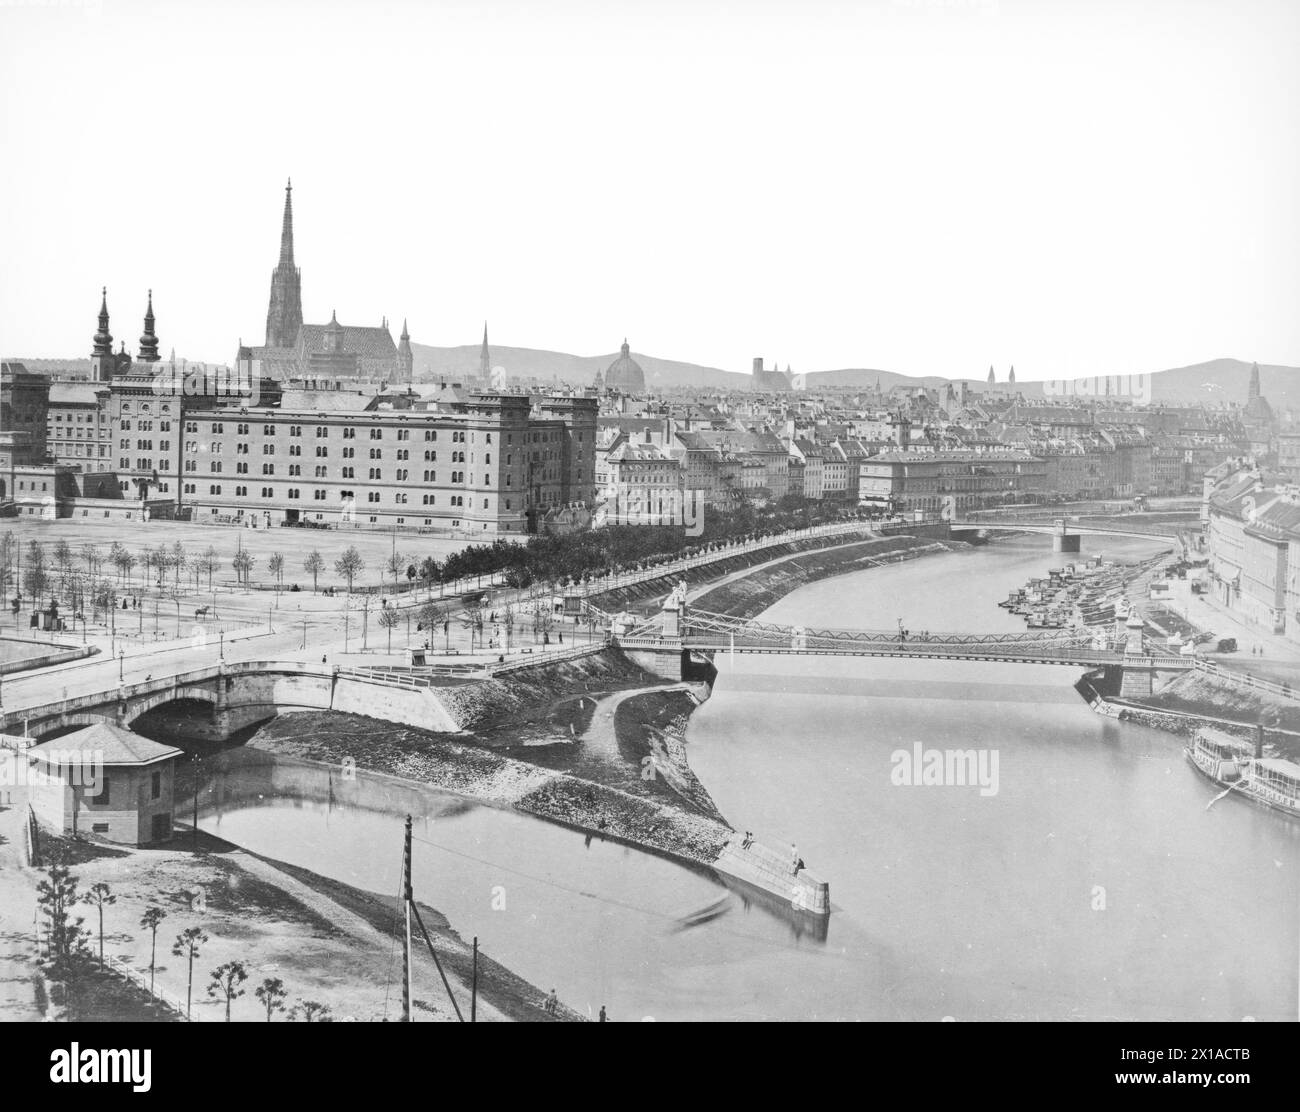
{"x":686,"y":629}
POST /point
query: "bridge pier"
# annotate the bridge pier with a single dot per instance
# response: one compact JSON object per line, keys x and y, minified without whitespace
{"x":1063,"y":540}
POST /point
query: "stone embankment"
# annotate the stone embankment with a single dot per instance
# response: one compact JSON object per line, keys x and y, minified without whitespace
{"x":638,"y":594}
{"x":750,"y":595}
{"x":486,"y":776}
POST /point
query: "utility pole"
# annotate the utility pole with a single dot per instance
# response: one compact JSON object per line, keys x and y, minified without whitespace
{"x":473,"y":986}
{"x":195,"y":831}
{"x":406,"y":937}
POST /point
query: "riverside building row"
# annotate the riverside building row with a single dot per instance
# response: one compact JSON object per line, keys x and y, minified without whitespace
{"x":145,"y":438}
{"x":1252,"y":531}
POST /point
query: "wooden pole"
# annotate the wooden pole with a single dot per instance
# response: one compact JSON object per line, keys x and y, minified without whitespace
{"x":406,"y":939}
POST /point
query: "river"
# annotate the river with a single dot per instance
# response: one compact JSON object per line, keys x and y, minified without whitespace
{"x":1092,"y":884}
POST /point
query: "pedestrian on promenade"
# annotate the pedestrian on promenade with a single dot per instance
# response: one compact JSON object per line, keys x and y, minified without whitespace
{"x":794,"y":859}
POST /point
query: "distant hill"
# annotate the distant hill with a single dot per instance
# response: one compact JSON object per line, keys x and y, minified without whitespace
{"x":459,"y":362}
{"x":1217,"y":381}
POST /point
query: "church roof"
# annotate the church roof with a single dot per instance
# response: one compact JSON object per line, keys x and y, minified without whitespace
{"x":374,"y":343}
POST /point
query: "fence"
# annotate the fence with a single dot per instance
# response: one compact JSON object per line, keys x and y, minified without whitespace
{"x":1285,"y":690}
{"x":141,"y":980}
{"x":32,"y":839}
{"x":614,"y":580}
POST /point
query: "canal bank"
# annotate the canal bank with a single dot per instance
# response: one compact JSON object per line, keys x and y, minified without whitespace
{"x":1095,"y":853}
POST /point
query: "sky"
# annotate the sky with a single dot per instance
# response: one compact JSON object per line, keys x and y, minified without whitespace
{"x":1072,"y":187}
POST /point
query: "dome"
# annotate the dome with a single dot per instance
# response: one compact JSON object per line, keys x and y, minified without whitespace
{"x":625,"y":374}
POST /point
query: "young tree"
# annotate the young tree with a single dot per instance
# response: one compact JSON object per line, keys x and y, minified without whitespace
{"x":179,"y":561}
{"x":349,"y":565}
{"x":313,"y":564}
{"x":90,"y":554}
{"x":224,"y":982}
{"x":208,"y":563}
{"x":275,"y":565}
{"x":187,"y":946}
{"x":243,"y":562}
{"x":429,"y":618}
{"x":8,"y":556}
{"x":63,"y":557}
{"x":37,"y":578}
{"x":472,"y":618}
{"x":394,"y":565}
{"x":271,"y":993}
{"x":152,"y":917}
{"x":429,"y":570}
{"x":311,"y":1011}
{"x":66,"y":938}
{"x":99,"y":895}
{"x":126,"y":564}
{"x":388,"y":618}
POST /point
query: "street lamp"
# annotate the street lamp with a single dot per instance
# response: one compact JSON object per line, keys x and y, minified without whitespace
{"x":121,"y":665}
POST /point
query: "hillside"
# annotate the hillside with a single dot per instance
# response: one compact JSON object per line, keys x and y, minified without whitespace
{"x":459,"y":362}
{"x":1219,"y":380}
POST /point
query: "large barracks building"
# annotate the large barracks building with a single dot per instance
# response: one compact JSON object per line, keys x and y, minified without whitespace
{"x":319,"y":426}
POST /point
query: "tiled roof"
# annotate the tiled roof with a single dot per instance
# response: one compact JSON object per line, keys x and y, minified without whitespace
{"x":112,"y":745}
{"x":373,"y":343}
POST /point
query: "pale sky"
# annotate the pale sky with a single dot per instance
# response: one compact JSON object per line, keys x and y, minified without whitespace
{"x":1074,"y":187}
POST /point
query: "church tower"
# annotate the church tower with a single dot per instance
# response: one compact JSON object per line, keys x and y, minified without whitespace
{"x":992,"y":379}
{"x":484,"y":361}
{"x":1253,"y":392}
{"x":284,"y":313}
{"x":102,"y":360}
{"x":1011,"y":378}
{"x":149,"y":339}
{"x":405,"y":357}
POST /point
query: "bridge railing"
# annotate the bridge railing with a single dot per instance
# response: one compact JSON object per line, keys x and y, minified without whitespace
{"x":659,"y":571}
{"x":1244,"y":679}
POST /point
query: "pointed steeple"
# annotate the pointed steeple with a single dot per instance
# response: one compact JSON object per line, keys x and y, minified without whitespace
{"x":103,"y":338}
{"x":148,"y":340}
{"x":484,"y":360}
{"x":1012,"y":376}
{"x":286,"y":230}
{"x":1253,"y":392}
{"x":405,"y":357}
{"x":284,"y":311}
{"x":991,"y":377}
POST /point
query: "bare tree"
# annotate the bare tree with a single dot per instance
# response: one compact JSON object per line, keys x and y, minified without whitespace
{"x":313,"y":564}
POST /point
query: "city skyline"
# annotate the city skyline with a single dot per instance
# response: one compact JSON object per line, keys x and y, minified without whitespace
{"x":710,"y":189}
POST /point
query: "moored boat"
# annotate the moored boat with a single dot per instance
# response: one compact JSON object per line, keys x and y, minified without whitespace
{"x":1229,"y":762}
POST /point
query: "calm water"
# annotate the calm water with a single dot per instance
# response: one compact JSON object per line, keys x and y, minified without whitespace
{"x":1093,"y":884}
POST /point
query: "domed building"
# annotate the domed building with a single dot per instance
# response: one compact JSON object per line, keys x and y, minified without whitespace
{"x":625,"y":374}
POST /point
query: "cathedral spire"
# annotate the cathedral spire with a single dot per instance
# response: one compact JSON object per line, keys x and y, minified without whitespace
{"x":484,"y":360}
{"x":992,"y":379}
{"x":284,"y":311}
{"x":1253,"y":393}
{"x":286,"y":231}
{"x":1012,"y":377}
{"x":148,"y":339}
